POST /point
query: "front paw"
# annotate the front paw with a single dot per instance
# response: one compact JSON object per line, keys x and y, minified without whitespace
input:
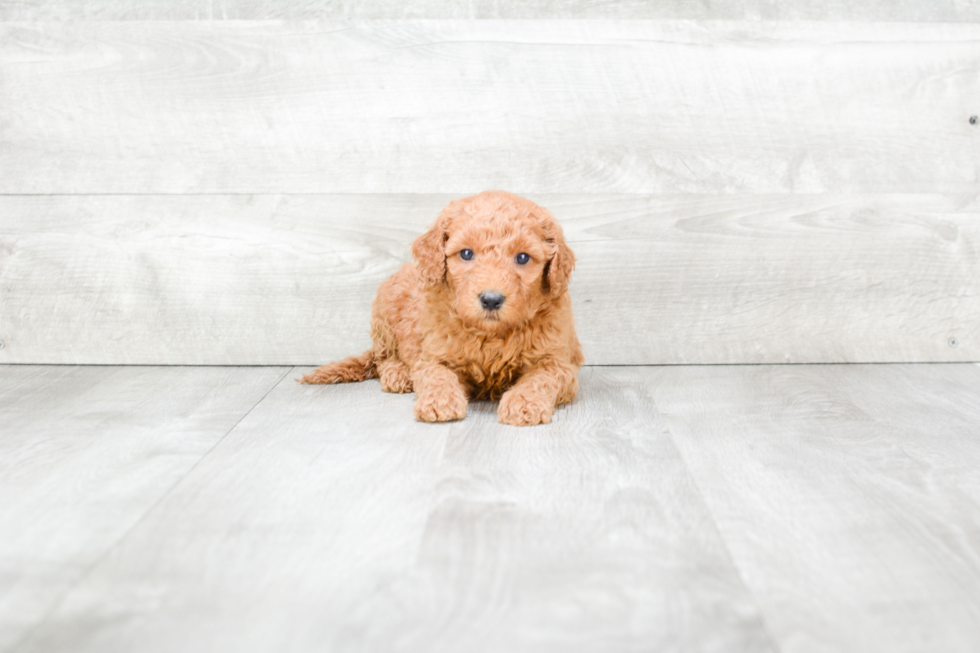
{"x":395,"y":378}
{"x":442,"y":407}
{"x":524,"y":409}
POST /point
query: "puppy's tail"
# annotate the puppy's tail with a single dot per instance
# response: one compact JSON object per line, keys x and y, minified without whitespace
{"x":348,"y":370}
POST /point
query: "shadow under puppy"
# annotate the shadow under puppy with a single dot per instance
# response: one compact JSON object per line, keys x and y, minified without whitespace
{"x":482,"y":313}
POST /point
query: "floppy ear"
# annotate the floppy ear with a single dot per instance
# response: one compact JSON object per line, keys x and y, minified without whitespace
{"x":558,"y":271}
{"x":429,"y":249}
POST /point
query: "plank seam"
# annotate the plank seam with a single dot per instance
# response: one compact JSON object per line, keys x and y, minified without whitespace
{"x":88,"y":572}
{"x":763,"y":619}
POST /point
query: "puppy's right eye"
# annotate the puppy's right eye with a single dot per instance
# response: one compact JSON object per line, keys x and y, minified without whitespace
{"x":466,"y":254}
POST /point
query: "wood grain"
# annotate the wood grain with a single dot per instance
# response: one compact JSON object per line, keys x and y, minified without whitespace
{"x":846,"y":495}
{"x":879,"y":10}
{"x":330,"y":520}
{"x":453,"y":106}
{"x":715,"y":508}
{"x":681,"y":279}
{"x":85,"y":453}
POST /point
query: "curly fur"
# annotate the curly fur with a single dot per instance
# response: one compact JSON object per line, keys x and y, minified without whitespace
{"x":432,"y":336}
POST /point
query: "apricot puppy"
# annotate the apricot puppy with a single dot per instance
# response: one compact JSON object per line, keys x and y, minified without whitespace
{"x":482,"y":313}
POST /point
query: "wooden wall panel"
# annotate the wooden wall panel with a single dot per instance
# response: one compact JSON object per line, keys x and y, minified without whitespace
{"x":661,"y":279}
{"x":449,"y":106}
{"x":831,"y":10}
{"x":738,"y":191}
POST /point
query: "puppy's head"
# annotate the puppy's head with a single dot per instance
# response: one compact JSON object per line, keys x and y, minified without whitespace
{"x":501,"y":257}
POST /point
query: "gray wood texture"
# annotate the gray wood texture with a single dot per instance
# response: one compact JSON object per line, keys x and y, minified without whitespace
{"x":711,"y":508}
{"x":329,"y":520}
{"x":872,"y":10}
{"x":660,"y":279}
{"x":85,"y":454}
{"x":838,"y":488}
{"x":184,"y":191}
{"x":450,"y":106}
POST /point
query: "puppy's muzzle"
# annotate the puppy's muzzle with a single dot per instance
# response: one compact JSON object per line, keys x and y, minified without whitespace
{"x":491,"y":300}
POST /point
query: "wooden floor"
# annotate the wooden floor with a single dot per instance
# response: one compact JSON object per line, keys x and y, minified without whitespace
{"x":736,"y":508}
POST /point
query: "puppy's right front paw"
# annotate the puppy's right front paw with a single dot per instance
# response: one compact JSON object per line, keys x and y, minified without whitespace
{"x":444,"y":407}
{"x":395,"y":378}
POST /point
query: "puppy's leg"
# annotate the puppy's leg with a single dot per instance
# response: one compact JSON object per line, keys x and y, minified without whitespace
{"x":394,"y":376}
{"x":440,"y":395}
{"x":533,"y":398}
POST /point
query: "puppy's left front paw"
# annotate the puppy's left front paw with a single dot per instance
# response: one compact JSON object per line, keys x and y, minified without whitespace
{"x":519,"y":409}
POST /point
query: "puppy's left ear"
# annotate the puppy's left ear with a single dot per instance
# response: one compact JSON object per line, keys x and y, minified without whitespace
{"x":429,"y":249}
{"x":558,"y":270}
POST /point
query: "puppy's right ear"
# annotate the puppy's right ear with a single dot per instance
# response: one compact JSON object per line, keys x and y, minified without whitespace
{"x":429,"y":249}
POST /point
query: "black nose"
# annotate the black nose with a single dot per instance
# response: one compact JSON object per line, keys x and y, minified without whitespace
{"x":491,"y":300}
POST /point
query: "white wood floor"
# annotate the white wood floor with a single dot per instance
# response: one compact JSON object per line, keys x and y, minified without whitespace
{"x":735,"y":508}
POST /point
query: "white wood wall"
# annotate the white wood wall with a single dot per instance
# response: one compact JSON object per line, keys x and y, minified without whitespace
{"x":227,"y":182}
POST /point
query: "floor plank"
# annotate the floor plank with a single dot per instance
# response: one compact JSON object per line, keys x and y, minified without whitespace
{"x":847,"y":495}
{"x":85,"y":452}
{"x":731,"y":508}
{"x":330,"y":520}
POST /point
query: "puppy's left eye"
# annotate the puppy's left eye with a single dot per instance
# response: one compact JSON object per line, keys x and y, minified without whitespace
{"x":522,"y":258}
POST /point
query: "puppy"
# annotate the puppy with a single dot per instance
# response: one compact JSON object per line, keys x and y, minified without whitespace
{"x":482,"y":313}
